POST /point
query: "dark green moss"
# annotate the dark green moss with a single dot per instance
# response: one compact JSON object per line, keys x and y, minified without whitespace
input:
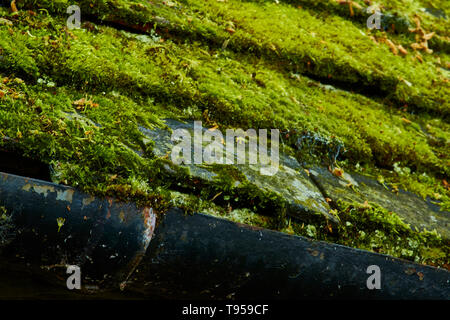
{"x":373,"y":228}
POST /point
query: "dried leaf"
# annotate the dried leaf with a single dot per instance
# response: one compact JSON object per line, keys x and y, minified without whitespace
{"x":392,"y":46}
{"x":417,"y":22}
{"x":402,"y":50}
{"x":429,"y":35}
{"x":446,"y":184}
{"x":421,"y":37}
{"x":13,"y":6}
{"x":373,"y":39}
{"x":366,"y":205}
{"x":406,"y":120}
{"x":230,"y":30}
{"x":81,"y":103}
{"x":338,"y":172}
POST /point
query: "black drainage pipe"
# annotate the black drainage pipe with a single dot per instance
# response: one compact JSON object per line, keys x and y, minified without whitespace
{"x":116,"y":246}
{"x":49,"y":226}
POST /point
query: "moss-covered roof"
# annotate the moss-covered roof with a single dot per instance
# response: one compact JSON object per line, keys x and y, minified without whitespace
{"x":78,"y":99}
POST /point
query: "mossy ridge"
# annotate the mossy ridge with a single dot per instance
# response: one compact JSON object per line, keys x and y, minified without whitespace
{"x":380,"y":70}
{"x":273,"y":25}
{"x":397,"y":16}
{"x":201,"y":68}
{"x":273,"y":77}
{"x":36,"y":122}
{"x":143,"y":16}
{"x":304,"y":52}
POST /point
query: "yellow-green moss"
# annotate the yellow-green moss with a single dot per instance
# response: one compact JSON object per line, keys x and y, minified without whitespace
{"x":76,"y":100}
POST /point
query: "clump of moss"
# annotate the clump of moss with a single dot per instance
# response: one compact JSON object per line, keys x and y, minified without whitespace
{"x":374,"y":228}
{"x":371,"y":227}
{"x":192,"y":204}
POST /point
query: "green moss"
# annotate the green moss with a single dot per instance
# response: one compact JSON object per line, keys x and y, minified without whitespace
{"x":302,"y":50}
{"x":77,"y":100}
{"x":192,"y":204}
{"x":386,"y":233}
{"x":223,"y":87}
{"x":373,"y":228}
